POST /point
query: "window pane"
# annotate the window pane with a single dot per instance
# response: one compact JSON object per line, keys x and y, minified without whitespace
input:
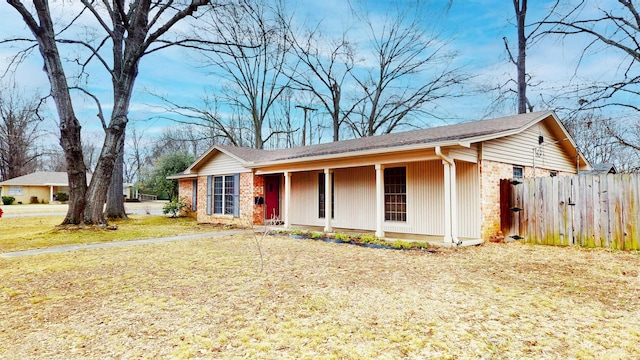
{"x":395,"y":194}
{"x":228,"y":195}
{"x":217,"y":195}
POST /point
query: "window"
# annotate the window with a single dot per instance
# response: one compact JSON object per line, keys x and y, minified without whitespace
{"x":14,"y":190}
{"x":395,"y":194}
{"x":228,"y":195}
{"x":217,"y":194}
{"x":225,"y":192}
{"x":518,"y":172}
{"x":194,"y":195}
{"x":321,"y":196}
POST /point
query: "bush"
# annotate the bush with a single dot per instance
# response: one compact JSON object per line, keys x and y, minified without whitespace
{"x":62,"y":196}
{"x":33,"y":200}
{"x":8,"y":200}
{"x":174,"y":207}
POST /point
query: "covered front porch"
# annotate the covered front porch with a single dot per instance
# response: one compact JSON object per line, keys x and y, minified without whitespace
{"x":427,"y":196}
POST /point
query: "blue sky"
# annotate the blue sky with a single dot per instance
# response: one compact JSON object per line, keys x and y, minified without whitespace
{"x":475,"y":29}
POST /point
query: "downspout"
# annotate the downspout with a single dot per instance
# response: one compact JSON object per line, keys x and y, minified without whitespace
{"x":450,"y":197}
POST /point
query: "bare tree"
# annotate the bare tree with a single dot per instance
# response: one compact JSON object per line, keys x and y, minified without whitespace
{"x":133,"y":31}
{"x":251,"y":58}
{"x":19,"y":133}
{"x":614,"y":29}
{"x":527,"y":35}
{"x":412,"y":71}
{"x":326,"y":64}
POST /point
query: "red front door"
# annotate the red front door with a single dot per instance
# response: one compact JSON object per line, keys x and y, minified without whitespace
{"x":272,"y":197}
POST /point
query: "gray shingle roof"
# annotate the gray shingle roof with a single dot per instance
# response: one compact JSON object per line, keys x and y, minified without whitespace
{"x":435,"y":135}
{"x":39,"y":178}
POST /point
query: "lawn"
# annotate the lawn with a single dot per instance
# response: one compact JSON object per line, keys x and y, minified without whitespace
{"x":24,"y":233}
{"x":315,"y":300}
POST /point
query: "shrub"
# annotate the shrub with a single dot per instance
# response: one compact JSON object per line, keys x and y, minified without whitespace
{"x":33,"y":200}
{"x":174,"y":207}
{"x":62,"y":196}
{"x":8,"y":200}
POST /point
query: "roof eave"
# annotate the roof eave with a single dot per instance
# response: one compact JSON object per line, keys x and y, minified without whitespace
{"x":360,"y":153}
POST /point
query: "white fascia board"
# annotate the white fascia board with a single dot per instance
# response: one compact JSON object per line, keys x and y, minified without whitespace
{"x":376,"y":151}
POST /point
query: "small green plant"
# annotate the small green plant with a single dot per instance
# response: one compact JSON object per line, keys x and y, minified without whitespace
{"x":62,"y":196}
{"x":342,"y":237}
{"x":8,"y":200}
{"x":174,"y":207}
{"x":317,"y":235}
{"x":368,"y":239}
{"x":33,"y":200}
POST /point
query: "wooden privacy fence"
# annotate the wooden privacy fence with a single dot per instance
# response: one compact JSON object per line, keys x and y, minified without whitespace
{"x":586,"y":210}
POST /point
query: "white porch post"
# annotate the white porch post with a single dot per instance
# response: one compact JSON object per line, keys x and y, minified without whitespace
{"x":447,"y":202}
{"x":287,"y":198}
{"x":454,"y":202}
{"x":379,"y":200}
{"x":50,"y":194}
{"x":327,"y":200}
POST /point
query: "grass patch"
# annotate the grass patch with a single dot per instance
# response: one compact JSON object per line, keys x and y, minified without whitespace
{"x":316,"y":300}
{"x":24,"y":233}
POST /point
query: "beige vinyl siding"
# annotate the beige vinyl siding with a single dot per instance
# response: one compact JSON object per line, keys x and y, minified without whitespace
{"x":518,"y":150}
{"x":304,"y":199}
{"x":222,"y":164}
{"x":425,"y":200}
{"x":355,"y":198}
{"x":468,"y":195}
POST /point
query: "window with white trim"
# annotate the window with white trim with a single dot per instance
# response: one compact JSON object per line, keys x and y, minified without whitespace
{"x":395,"y":194}
{"x":518,"y":172}
{"x":15,"y":190}
{"x":225,"y":190}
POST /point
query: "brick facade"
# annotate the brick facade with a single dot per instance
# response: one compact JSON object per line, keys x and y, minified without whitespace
{"x":251,"y":186}
{"x":258,"y":191}
{"x":490,"y":174}
{"x":185,"y":192}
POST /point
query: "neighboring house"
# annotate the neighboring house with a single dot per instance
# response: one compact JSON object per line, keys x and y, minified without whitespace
{"x":597,"y":169}
{"x":44,"y":185}
{"x":437,"y":183}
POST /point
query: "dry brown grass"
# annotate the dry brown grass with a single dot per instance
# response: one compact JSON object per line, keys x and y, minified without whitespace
{"x":314,"y":300}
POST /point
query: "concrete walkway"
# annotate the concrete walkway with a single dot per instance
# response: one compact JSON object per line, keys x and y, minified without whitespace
{"x":67,"y":248}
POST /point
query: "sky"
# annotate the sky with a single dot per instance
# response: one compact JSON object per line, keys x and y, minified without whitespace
{"x":474,"y":29}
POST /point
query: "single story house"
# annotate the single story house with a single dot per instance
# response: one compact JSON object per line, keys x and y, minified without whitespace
{"x":438,"y":183}
{"x":43,"y":185}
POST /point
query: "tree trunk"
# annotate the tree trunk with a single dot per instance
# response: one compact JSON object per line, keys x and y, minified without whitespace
{"x":521,"y":13}
{"x":115,"y":195}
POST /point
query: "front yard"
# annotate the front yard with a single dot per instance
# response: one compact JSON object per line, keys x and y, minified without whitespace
{"x":316,"y":300}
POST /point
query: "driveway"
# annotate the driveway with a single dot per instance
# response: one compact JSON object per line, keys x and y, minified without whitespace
{"x":9,"y":211}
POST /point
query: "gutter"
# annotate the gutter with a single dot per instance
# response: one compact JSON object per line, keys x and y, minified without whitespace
{"x":450,"y":198}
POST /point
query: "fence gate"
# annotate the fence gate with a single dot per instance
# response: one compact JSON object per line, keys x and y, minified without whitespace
{"x":586,"y":210}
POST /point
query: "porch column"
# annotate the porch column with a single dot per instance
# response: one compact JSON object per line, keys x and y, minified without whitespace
{"x":287,"y":198}
{"x":447,"y":201}
{"x":379,"y":200}
{"x":50,"y":194}
{"x":454,"y":202}
{"x":327,"y":200}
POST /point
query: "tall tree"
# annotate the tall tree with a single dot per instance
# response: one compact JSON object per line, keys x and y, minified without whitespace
{"x":19,"y":122}
{"x":525,"y":38}
{"x":413,"y":70}
{"x":251,"y":57}
{"x":133,"y":29}
{"x":326,"y":65}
